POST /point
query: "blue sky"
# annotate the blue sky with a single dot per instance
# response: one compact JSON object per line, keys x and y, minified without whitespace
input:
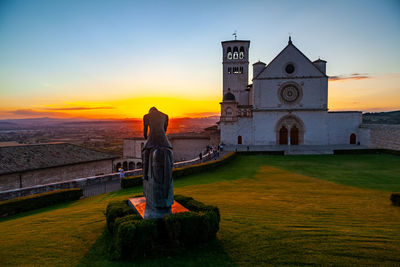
{"x":69,"y":53}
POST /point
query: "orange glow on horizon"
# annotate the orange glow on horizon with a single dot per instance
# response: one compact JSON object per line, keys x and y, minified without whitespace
{"x":374,"y":93}
{"x":121,"y":108}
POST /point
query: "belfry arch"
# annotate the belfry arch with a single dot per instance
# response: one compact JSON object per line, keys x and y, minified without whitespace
{"x":289,"y":127}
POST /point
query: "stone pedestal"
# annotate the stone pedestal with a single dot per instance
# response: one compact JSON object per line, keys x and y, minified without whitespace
{"x":139,"y":204}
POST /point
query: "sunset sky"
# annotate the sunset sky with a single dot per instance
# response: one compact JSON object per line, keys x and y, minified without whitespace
{"x":116,"y":59}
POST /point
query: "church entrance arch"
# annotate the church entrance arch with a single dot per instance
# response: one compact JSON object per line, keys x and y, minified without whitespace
{"x":239,"y":140}
{"x":353,"y":139}
{"x":118,"y":166}
{"x":294,"y":135}
{"x":131,"y":165}
{"x":289,"y":126}
{"x":283,"y":136}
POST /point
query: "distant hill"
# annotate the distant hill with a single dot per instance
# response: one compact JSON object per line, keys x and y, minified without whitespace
{"x":175,"y":124}
{"x":391,"y":117}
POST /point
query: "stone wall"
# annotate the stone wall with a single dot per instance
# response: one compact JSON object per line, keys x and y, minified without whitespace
{"x":83,"y":182}
{"x":186,"y":146}
{"x":186,"y":149}
{"x":380,"y":136}
{"x":55,"y":174}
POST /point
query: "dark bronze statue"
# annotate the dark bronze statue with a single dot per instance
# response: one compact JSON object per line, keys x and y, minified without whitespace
{"x":157,"y":161}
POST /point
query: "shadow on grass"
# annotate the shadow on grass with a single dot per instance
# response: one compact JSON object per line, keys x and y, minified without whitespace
{"x":40,"y":210}
{"x":211,"y":254}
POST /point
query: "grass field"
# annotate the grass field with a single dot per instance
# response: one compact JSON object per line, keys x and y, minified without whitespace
{"x":275,"y":210}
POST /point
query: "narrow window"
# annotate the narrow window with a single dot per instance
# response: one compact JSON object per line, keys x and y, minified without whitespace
{"x":241,"y":54}
{"x":239,"y":140}
{"x":353,"y":139}
{"x":229,"y":53}
{"x":235,"y":53}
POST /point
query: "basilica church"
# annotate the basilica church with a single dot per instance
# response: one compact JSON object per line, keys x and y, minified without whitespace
{"x":286,"y":103}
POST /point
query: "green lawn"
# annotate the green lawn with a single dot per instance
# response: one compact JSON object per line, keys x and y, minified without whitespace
{"x":380,"y":172}
{"x":277,"y":210}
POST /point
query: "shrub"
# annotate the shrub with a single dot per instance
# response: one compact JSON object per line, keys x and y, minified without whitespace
{"x":27,"y":203}
{"x":210,"y":215}
{"x":278,"y":152}
{"x":131,"y":181}
{"x":206,"y":166}
{"x":133,"y":237}
{"x":366,"y":151}
{"x":119,"y":220}
{"x":183,"y":171}
{"x":117,"y":209}
{"x":183,"y":229}
{"x":395,"y":198}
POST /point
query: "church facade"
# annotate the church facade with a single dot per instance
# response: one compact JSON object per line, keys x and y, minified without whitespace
{"x":286,"y":104}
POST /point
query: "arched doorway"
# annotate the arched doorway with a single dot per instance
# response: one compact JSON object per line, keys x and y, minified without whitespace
{"x":131,"y":165}
{"x":283,"y":136}
{"x":139,"y":165}
{"x":239,"y":140}
{"x":294,"y":135}
{"x":353,"y":139}
{"x":125,"y":166}
{"x":118,"y":166}
{"x":289,"y":126}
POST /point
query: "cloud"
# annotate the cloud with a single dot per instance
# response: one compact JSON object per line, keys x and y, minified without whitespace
{"x":353,"y":76}
{"x":79,"y":108}
{"x":31,"y":112}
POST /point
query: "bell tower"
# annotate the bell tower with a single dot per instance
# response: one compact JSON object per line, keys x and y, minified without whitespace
{"x":235,"y":69}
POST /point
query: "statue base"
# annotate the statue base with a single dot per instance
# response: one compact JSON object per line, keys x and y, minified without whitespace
{"x":139,"y":205}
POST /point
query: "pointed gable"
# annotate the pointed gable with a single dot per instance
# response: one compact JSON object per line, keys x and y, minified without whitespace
{"x":303,"y":67}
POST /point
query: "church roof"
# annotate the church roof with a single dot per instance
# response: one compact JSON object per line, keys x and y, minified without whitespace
{"x":229,"y":97}
{"x":319,"y":60}
{"x":32,"y":157}
{"x":290,"y":44}
{"x":259,"y":62}
{"x":237,"y":41}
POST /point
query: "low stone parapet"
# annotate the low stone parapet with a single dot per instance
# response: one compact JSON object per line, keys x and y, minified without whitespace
{"x":83,"y":182}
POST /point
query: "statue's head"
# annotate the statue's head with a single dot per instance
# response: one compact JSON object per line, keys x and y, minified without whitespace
{"x":153,"y":109}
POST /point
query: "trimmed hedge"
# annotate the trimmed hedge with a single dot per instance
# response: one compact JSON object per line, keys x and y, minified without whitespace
{"x":182,"y":171}
{"x":395,"y":198}
{"x":27,"y":203}
{"x":275,"y":153}
{"x":133,"y":237}
{"x":131,"y":181}
{"x":206,"y":166}
{"x":117,"y":209}
{"x":366,"y":151}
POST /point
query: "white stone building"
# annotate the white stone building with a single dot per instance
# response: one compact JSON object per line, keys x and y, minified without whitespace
{"x":286,"y":104}
{"x":186,"y":146}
